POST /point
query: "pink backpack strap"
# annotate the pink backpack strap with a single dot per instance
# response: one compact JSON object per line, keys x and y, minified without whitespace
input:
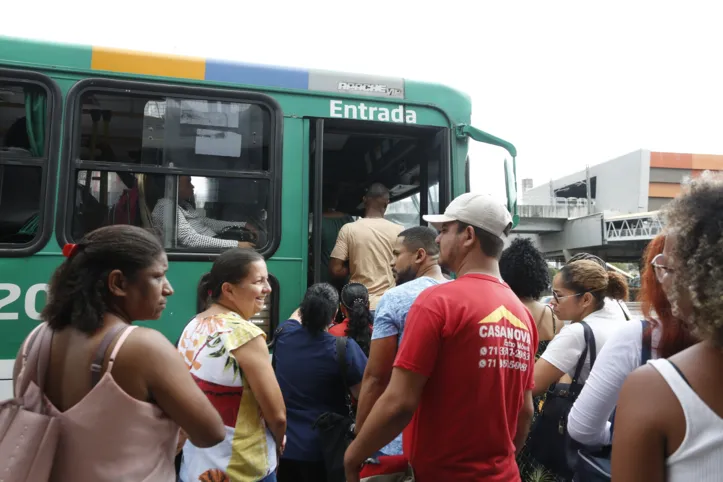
{"x":97,"y":365}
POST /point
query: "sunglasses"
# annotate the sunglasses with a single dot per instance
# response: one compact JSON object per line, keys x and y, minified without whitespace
{"x":660,"y":265}
{"x":559,"y":298}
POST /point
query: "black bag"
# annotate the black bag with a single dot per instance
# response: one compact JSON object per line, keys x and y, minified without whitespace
{"x":594,"y":465}
{"x":336,"y":431}
{"x":549,"y":442}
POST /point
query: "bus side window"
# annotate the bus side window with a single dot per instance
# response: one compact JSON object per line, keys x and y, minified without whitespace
{"x":23,"y":157}
{"x":224,"y":199}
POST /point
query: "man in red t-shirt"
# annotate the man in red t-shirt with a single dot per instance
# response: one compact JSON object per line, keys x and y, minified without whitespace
{"x":463,"y":378}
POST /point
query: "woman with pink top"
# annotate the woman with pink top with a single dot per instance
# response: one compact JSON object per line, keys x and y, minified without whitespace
{"x":119,"y":391}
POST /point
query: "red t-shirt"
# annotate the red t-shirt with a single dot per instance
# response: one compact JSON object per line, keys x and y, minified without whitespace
{"x":476,"y":342}
{"x":340,"y":328}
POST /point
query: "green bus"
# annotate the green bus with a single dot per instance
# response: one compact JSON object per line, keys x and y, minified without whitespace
{"x":189,"y":147}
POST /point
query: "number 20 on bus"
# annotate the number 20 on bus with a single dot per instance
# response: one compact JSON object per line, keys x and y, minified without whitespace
{"x":10,"y":293}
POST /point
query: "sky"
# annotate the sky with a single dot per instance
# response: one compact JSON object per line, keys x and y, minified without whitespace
{"x":569,"y":83}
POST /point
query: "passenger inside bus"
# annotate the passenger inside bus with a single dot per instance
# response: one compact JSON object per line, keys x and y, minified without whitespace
{"x":194,"y":228}
{"x":19,"y":188}
{"x":331,"y":223}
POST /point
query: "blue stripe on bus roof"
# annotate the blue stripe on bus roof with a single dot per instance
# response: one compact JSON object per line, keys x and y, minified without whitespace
{"x":261,"y":75}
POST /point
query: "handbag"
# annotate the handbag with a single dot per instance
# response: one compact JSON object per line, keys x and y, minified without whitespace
{"x":594,"y":465}
{"x":336,"y":432}
{"x":549,"y":442}
{"x":28,"y":435}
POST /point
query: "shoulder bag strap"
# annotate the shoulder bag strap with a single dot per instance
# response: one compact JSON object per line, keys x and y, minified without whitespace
{"x":625,"y":313}
{"x":97,"y":366}
{"x":590,"y":341}
{"x":554,"y":320}
{"x":341,"y":342}
{"x":29,"y":364}
{"x":589,"y":348}
{"x":272,"y":344}
{"x":341,"y":359}
{"x":538,"y":321}
{"x":646,"y":350}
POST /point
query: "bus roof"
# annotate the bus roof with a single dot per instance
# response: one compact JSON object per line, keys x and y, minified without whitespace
{"x":66,"y":57}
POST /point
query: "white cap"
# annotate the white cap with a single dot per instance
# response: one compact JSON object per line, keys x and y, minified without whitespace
{"x":478,"y":210}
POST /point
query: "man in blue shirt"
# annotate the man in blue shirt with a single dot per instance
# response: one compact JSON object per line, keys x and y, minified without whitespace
{"x":416,"y":267}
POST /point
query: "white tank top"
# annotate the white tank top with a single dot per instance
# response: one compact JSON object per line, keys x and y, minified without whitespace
{"x":700,"y":457}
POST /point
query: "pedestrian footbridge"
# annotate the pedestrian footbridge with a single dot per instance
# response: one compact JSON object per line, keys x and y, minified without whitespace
{"x":562,"y":229}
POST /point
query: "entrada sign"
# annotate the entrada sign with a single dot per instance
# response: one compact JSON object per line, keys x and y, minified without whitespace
{"x":361,"y":111}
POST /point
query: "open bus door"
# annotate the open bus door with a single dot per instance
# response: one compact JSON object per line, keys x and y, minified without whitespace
{"x":478,"y":135}
{"x":347,"y":156}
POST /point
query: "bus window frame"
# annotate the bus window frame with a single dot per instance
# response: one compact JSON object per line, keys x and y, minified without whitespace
{"x":48,"y":163}
{"x":71,"y":162}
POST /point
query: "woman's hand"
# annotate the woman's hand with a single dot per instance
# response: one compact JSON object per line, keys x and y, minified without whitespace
{"x":351,"y":469}
{"x":246,"y":244}
{"x":280,"y":447}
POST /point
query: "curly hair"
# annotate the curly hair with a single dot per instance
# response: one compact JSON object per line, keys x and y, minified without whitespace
{"x":524,"y":269}
{"x":695,"y":218}
{"x":675,"y":334}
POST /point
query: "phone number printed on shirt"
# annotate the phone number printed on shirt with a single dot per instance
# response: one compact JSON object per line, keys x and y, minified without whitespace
{"x":508,"y":347}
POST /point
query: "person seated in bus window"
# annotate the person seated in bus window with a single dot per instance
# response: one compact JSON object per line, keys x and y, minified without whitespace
{"x":195,"y":229}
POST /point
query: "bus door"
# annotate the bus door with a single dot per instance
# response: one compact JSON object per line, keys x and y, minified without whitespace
{"x":347,"y":156}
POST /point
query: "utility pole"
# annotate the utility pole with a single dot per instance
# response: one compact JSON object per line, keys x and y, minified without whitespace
{"x":587,"y":188}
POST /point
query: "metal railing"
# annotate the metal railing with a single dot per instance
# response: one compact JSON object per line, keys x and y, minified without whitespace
{"x":640,"y":227}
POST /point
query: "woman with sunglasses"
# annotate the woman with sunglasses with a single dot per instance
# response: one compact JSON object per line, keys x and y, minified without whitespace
{"x":579,"y":291}
{"x":665,"y":334}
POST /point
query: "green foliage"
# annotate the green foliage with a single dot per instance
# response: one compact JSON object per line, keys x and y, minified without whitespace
{"x":540,"y":474}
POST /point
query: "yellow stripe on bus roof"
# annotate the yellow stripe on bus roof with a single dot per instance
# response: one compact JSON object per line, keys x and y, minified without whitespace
{"x":163,"y":65}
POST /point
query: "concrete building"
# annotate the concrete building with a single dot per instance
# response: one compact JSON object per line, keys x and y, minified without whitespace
{"x":637,"y":182}
{"x":609,"y":209}
{"x":527,"y":184}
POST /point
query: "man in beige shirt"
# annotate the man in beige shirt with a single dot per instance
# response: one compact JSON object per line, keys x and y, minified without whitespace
{"x":367,"y":245}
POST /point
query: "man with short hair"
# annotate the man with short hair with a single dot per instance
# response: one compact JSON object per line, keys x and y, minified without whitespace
{"x":462,"y":380}
{"x":366,"y":244}
{"x":416,"y":268}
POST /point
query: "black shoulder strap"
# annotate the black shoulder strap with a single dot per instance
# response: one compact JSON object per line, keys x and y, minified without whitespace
{"x":341,"y":359}
{"x":97,"y":365}
{"x":272,"y":344}
{"x":554,"y":320}
{"x":625,"y":313}
{"x":590,"y":348}
{"x":646,"y":350}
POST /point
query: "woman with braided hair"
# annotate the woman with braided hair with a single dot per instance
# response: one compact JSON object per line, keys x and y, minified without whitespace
{"x":358,"y":320}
